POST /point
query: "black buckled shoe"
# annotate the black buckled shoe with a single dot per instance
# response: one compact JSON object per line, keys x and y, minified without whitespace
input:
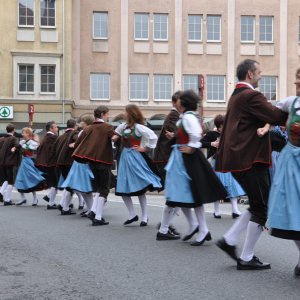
{"x":234,"y":215}
{"x":134,"y":219}
{"x":166,"y":236}
{"x":253,"y":264}
{"x":206,"y":238}
{"x":91,"y":215}
{"x":46,"y":198}
{"x":51,"y":206}
{"x":8,"y":203}
{"x":297,"y":271}
{"x":173,"y":230}
{"x":189,"y":236}
{"x":99,"y":222}
{"x":229,"y":249}
{"x":67,"y":213}
{"x":217,"y":216}
{"x":143,"y":224}
{"x":22,"y":202}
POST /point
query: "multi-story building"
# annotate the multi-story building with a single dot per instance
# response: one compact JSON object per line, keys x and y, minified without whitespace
{"x":35,"y":59}
{"x":139,"y":51}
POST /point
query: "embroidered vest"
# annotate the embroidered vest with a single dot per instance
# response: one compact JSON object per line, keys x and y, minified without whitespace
{"x":130,"y":139}
{"x":293,"y":127}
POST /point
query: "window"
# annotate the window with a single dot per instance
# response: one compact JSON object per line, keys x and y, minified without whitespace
{"x":160,"y":31}
{"x":190,"y":82}
{"x":163,"y":87}
{"x":139,"y":86}
{"x":26,"y":13}
{"x":265,"y":29}
{"x":299,"y":30}
{"x":26,"y":78}
{"x":100,"y":25}
{"x":141,"y":26}
{"x":47,"y":13}
{"x":213,"y":24}
{"x":215,"y":88}
{"x":247,"y":28}
{"x":100,"y":86}
{"x":268,"y":86}
{"x":47,"y":79}
{"x":195,"y":28}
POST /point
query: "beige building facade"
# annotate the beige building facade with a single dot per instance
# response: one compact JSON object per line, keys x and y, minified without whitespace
{"x":36,"y":59}
{"x":138,"y":51}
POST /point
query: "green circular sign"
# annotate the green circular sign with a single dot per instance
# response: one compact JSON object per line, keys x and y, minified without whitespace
{"x":4,"y":112}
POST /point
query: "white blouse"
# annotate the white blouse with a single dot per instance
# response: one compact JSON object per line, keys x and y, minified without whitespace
{"x":30,"y":144}
{"x":149,"y":138}
{"x":286,"y":104}
{"x":192,"y":127}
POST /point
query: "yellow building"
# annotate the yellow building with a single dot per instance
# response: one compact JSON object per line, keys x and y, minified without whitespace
{"x":35,"y":59}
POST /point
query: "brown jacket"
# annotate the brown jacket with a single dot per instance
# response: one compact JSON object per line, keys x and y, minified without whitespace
{"x":94,"y":144}
{"x":45,"y":156}
{"x":240,"y":147}
{"x":8,"y":158}
{"x":164,"y":145}
{"x":63,"y":151}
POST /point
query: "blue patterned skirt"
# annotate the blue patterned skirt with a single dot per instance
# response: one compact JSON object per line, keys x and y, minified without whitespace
{"x":284,"y":198}
{"x":29,"y":178}
{"x":79,"y":178}
{"x":135,"y":174}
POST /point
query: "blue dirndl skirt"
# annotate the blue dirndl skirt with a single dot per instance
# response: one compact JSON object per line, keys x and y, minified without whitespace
{"x":232,"y":187}
{"x":284,"y":198}
{"x":275,"y":156}
{"x":135,"y":176}
{"x":28,"y":178}
{"x":79,"y":178}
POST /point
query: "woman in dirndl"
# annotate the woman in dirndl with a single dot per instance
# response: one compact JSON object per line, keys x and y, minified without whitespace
{"x":190,"y":180}
{"x":284,"y":198}
{"x":29,"y":179}
{"x":136,"y":172}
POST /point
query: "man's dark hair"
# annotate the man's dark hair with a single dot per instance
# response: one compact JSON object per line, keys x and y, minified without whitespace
{"x":100,"y":111}
{"x":10,"y":128}
{"x":176,"y":96}
{"x":189,"y":100}
{"x":219,"y":120}
{"x":245,"y":66}
{"x":71,"y":123}
{"x":49,"y":125}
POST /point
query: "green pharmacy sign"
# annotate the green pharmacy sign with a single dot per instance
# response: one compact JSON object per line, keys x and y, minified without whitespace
{"x":6,"y":112}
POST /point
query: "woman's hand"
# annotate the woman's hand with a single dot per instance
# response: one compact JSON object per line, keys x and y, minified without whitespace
{"x":186,"y":149}
{"x":264,"y":130}
{"x":169,"y":135}
{"x":215,"y":144}
{"x":140,"y":149}
{"x":115,"y":138}
{"x":13,"y":149}
{"x":72,"y":145}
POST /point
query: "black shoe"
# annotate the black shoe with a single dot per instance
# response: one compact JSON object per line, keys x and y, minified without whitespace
{"x":34,"y":204}
{"x":189,"y":236}
{"x":67,"y":213}
{"x":91,"y":215}
{"x":59,"y":207}
{"x":253,"y":264}
{"x":80,"y":207}
{"x":297,"y":271}
{"x":1,"y":198}
{"x":8,"y":203}
{"x":71,"y":205}
{"x":83,"y":213}
{"x":173,"y":230}
{"x":217,"y":216}
{"x":22,"y":202}
{"x":99,"y":222}
{"x":234,"y":215}
{"x":166,"y":236}
{"x":206,"y":238}
{"x":134,"y":219}
{"x":51,"y":206}
{"x":46,"y":198}
{"x":143,"y":224}
{"x":229,"y":249}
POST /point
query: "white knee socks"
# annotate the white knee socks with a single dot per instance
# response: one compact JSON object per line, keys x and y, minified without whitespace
{"x":234,"y":205}
{"x":99,"y":207}
{"x":3,"y":187}
{"x":34,"y":200}
{"x":67,"y":197}
{"x":217,"y":208}
{"x":232,"y":235}
{"x":254,"y":231}
{"x":143,"y":204}
{"x":128,"y":202}
{"x":203,"y":229}
{"x":191,"y":218}
{"x":298,"y":245}
{"x":52,"y":194}
{"x":167,"y":215}
{"x":7,"y":193}
{"x":88,"y":199}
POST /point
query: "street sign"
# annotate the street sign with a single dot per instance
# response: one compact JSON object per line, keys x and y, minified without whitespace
{"x":6,"y":112}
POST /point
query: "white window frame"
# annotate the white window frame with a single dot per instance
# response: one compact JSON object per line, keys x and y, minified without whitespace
{"x":185,"y":76}
{"x":172,"y":84}
{"x":18,"y":10}
{"x":254,"y":33}
{"x":55,"y":18}
{"x":298,"y":30}
{"x":93,"y":25}
{"x":214,"y":41}
{"x":138,"y":99}
{"x":276,"y":86}
{"x":40,"y":80}
{"x":161,"y":39}
{"x":25,"y":92}
{"x":91,"y":90}
{"x":141,"y":39}
{"x":224,"y":91}
{"x":201,"y":28}
{"x":266,"y":42}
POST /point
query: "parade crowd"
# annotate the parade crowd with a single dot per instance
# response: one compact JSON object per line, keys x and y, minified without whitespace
{"x":249,"y":152}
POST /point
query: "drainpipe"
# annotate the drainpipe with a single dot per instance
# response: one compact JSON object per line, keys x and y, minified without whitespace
{"x":63,"y":62}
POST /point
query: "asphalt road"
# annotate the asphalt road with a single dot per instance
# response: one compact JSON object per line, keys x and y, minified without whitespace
{"x":48,"y":256}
